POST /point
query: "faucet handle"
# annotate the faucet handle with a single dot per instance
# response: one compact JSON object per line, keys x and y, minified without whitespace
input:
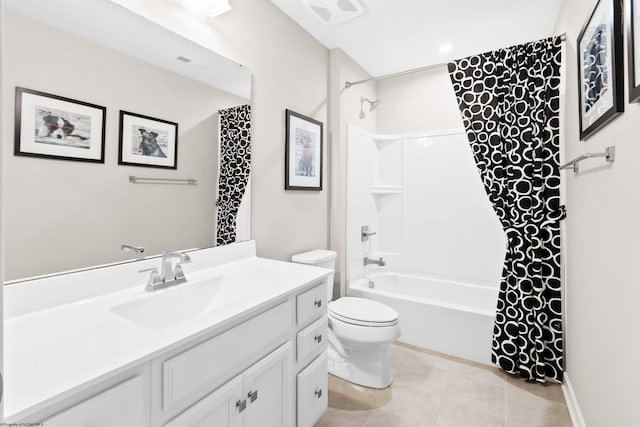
{"x":179,"y":273}
{"x":154,"y":277}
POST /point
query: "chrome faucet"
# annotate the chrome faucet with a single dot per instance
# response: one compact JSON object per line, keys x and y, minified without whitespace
{"x":139,"y":250}
{"x":169,"y":275}
{"x":379,"y":262}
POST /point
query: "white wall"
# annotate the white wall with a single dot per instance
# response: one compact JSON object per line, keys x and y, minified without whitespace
{"x":603,"y":249}
{"x":417,"y":102}
{"x":61,"y":215}
{"x":290,"y":70}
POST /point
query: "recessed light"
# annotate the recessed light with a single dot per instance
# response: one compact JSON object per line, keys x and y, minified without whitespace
{"x":446,"y":47}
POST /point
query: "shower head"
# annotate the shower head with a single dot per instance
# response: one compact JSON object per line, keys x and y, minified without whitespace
{"x":372,"y":105}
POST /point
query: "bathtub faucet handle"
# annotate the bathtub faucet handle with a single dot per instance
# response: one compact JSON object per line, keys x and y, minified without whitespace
{"x":365,"y":233}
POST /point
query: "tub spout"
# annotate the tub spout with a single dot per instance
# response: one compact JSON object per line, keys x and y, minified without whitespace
{"x":379,"y":262}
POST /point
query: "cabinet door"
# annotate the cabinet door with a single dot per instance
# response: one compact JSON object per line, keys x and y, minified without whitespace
{"x":312,"y":392}
{"x":220,"y":409}
{"x":267,"y":386}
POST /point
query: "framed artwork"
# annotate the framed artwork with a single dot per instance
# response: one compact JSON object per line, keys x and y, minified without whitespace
{"x":303,"y":153}
{"x":600,"y":67}
{"x":147,"y":141}
{"x":634,"y":52}
{"x":51,"y":126}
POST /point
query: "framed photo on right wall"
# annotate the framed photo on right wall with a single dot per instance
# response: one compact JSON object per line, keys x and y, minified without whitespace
{"x":600,"y":67}
{"x":634,"y":51}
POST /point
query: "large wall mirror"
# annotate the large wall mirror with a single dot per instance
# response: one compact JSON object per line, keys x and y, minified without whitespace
{"x":61,"y":215}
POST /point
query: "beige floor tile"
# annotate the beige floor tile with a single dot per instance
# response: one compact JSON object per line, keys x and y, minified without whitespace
{"x":341,"y":418}
{"x":454,"y":414}
{"x":346,"y":396}
{"x":479,"y":372}
{"x":548,"y":390}
{"x":382,"y":418}
{"x":414,"y":402}
{"x":397,"y":355}
{"x":478,"y":395}
{"x":525,"y":408}
{"x":419,"y":363}
{"x":432,"y":390}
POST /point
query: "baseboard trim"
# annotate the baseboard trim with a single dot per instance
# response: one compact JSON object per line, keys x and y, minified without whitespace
{"x":572,"y":403}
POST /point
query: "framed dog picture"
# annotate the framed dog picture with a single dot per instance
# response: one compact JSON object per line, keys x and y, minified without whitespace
{"x":55,"y":127}
{"x":600,"y":67}
{"x":303,"y":153}
{"x":147,"y":141}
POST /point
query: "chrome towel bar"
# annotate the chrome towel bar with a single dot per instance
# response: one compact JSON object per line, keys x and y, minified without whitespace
{"x":137,"y":179}
{"x":609,"y":155}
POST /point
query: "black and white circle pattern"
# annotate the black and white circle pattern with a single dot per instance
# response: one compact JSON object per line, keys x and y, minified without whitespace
{"x":510,"y":103}
{"x":235,"y":167}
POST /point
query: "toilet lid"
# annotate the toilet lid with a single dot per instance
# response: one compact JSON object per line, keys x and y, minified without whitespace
{"x":363,"y":312}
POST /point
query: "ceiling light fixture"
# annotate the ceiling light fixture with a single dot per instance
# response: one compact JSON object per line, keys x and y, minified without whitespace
{"x":214,"y":8}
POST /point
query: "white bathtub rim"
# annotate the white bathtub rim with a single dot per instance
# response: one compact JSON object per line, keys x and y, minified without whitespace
{"x":422,"y":276}
{"x":360,"y":285}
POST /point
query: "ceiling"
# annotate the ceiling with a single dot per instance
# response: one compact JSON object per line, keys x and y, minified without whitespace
{"x":138,"y":37}
{"x":398,"y":35}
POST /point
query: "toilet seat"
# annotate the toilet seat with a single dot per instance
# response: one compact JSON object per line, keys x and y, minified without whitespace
{"x":363,"y":312}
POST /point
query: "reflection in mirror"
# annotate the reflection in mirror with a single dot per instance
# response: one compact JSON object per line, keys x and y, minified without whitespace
{"x":62,"y":215}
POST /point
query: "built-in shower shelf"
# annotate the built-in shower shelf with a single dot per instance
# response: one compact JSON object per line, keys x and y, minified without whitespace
{"x":383,"y":140}
{"x":380,"y":190}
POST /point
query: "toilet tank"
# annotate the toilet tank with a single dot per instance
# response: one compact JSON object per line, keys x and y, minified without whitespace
{"x":319,"y":258}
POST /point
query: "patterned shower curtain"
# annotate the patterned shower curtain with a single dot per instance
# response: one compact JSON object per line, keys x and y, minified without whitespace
{"x":235,"y":167}
{"x":510,"y":101}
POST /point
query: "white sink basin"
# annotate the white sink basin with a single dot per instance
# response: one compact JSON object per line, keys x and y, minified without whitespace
{"x":166,"y":307}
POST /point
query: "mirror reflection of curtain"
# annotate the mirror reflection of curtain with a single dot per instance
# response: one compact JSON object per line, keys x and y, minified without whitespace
{"x":510,"y":103}
{"x":235,"y":167}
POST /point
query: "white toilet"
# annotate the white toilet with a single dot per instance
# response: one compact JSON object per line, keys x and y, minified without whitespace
{"x":360,"y":331}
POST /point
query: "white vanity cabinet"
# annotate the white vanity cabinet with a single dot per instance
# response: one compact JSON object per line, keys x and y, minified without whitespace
{"x":253,"y":362}
{"x":260,"y":397}
{"x":311,"y":355}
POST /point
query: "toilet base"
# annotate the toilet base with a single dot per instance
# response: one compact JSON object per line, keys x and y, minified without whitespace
{"x":370,"y":369}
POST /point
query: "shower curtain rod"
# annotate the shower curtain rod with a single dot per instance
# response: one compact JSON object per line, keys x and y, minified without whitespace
{"x":347,"y":85}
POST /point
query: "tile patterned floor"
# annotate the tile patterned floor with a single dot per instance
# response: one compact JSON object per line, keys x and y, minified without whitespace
{"x":432,"y":389}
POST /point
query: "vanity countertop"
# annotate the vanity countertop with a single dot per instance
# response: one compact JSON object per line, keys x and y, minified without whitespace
{"x":55,"y":351}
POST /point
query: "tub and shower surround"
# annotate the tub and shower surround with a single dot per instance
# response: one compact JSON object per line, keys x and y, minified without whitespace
{"x":435,"y":229}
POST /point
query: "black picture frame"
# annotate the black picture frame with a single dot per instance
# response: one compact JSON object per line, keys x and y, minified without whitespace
{"x":147,"y":141}
{"x":634,"y":52}
{"x":55,"y":127}
{"x":600,"y":67}
{"x":303,"y":152}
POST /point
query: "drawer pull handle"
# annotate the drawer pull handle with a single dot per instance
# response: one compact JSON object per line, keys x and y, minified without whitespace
{"x":253,"y":396}
{"x":318,"y":338}
{"x":318,"y":393}
{"x":241,"y":405}
{"x":318,"y":303}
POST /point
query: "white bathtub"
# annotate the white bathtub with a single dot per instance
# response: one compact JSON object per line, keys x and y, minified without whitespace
{"x":450,"y":317}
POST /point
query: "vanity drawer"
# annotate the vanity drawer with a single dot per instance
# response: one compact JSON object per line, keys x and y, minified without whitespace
{"x":311,"y":304}
{"x":195,"y":372}
{"x":312,"y":340}
{"x":312,"y":392}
